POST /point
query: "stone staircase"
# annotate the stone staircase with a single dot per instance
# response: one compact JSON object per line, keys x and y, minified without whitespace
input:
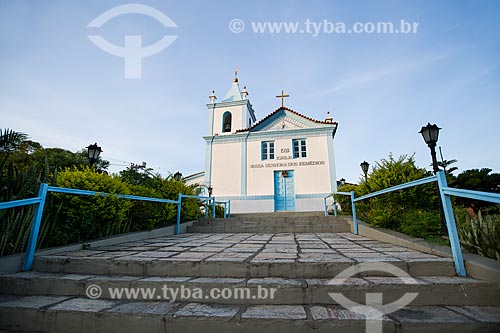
{"x":286,"y":222}
{"x":273,"y":281}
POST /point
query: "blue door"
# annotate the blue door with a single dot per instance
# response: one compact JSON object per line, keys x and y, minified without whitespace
{"x":284,"y":191}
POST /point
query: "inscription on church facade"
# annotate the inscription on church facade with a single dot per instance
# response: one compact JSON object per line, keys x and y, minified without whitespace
{"x":284,"y":165}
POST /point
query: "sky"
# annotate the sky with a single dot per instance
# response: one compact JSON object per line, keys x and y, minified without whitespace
{"x":64,"y":91}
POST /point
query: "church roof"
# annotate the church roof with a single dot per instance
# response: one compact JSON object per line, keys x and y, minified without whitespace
{"x":234,"y":93}
{"x":273,"y":114}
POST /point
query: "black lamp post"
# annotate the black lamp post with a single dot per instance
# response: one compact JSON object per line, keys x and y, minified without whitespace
{"x":430,"y":133}
{"x":178,"y":176}
{"x":342,"y":181}
{"x":210,"y":189}
{"x":93,"y":153}
{"x":364,"y":166}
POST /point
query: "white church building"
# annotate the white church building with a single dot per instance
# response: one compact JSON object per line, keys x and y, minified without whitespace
{"x":283,"y":162}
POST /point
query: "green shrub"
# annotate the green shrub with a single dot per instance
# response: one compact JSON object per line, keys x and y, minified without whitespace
{"x":90,"y":217}
{"x":421,"y":223}
{"x":144,"y":215}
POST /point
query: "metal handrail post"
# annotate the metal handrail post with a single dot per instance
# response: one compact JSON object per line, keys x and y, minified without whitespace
{"x":35,"y":228}
{"x":179,"y":208}
{"x":456,"y":250}
{"x":354,"y":221}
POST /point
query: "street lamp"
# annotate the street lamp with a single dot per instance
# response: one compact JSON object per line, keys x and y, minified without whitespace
{"x":178,"y":176}
{"x":93,"y":153}
{"x":430,"y":133}
{"x":342,"y":181}
{"x":210,"y":189}
{"x":364,"y":166}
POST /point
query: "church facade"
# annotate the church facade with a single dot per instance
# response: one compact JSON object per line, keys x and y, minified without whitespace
{"x":284,"y":162}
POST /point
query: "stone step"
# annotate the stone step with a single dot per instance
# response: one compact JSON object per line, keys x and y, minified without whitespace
{"x":316,"y":224}
{"x":242,"y":228}
{"x":241,"y":264}
{"x":278,"y":219}
{"x":431,"y":290}
{"x":280,"y":214}
{"x":68,"y":314}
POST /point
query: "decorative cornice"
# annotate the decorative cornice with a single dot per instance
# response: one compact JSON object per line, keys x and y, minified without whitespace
{"x":227,"y":104}
{"x":285,"y":133}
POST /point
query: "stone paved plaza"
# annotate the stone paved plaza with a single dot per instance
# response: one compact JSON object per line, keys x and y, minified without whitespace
{"x":256,"y":248}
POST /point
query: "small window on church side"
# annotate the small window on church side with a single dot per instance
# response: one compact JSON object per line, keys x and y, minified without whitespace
{"x":299,"y":148}
{"x":267,"y":150}
{"x":226,"y":122}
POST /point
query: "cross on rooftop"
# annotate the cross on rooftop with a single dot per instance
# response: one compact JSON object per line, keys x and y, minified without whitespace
{"x":282,"y":96}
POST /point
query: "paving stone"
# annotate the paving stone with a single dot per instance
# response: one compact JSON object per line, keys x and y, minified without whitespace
{"x":340,"y":313}
{"x":207,"y":249}
{"x":275,"y":281}
{"x":337,"y":282}
{"x":326,"y":250}
{"x":155,"y":254}
{"x":191,"y":256}
{"x":142,"y":248}
{"x":84,"y":305}
{"x":115,"y":254}
{"x":218,"y":280}
{"x":32,"y":302}
{"x":285,"y":312}
{"x":321,"y":257}
{"x":75,"y":277}
{"x":113,"y":278}
{"x":173,"y":249}
{"x":207,"y":310}
{"x":241,"y":250}
{"x":486,"y":314}
{"x":428,"y":314}
{"x":273,"y":256}
{"x":395,"y":280}
{"x":140,"y":308}
{"x":165,"y":279}
{"x":82,"y":253}
{"x":230,"y":256}
{"x":313,"y":245}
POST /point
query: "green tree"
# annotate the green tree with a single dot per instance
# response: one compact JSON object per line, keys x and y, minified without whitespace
{"x":478,"y":180}
{"x":413,"y":210}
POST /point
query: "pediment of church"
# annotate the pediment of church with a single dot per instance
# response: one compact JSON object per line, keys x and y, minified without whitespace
{"x":285,"y":119}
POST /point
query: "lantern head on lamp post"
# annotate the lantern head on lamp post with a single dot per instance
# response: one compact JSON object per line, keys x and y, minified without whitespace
{"x":93,"y":153}
{"x":210,"y":190}
{"x":364,"y":167}
{"x":430,"y":133}
{"x":342,"y":181}
{"x":178,"y":176}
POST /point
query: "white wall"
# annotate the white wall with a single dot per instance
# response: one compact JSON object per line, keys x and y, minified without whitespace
{"x":226,"y":169}
{"x":239,"y":120}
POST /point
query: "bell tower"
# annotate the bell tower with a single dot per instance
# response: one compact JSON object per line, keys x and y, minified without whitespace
{"x":233,"y":113}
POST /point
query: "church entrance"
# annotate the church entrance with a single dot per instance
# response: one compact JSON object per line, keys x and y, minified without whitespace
{"x":284,"y":190}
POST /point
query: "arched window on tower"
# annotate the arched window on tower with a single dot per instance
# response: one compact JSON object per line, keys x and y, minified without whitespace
{"x":226,"y":122}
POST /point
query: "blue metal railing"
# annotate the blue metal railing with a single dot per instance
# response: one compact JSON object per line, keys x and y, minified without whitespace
{"x":45,"y":188}
{"x":445,"y":193}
